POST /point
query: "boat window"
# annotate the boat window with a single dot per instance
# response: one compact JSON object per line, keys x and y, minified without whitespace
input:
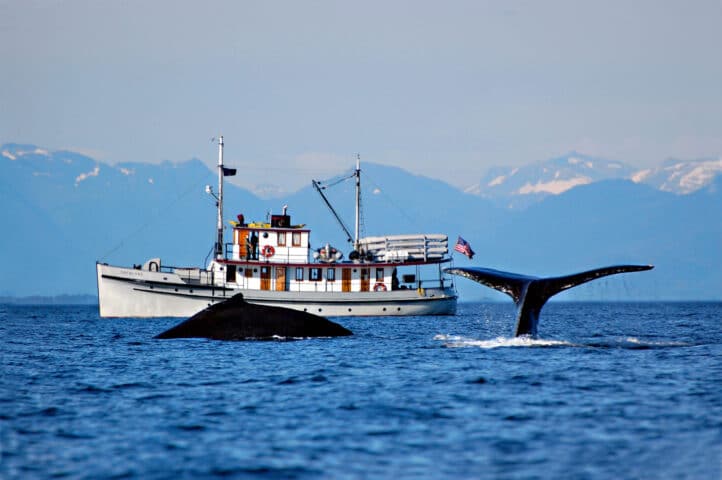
{"x":281,"y":239}
{"x":230,"y":273}
{"x":296,"y":239}
{"x":379,"y":274}
{"x":299,"y":274}
{"x":331,"y":274}
{"x":315,"y":274}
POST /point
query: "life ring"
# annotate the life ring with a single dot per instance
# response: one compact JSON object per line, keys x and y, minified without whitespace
{"x":153,"y":266}
{"x":379,"y":287}
{"x":268,"y":251}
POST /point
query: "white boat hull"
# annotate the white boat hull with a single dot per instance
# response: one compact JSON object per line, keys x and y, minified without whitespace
{"x":127,"y":292}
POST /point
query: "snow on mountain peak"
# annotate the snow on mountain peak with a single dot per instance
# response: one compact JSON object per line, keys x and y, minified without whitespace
{"x":84,"y":176}
{"x":641,"y":175}
{"x":554,"y":187}
{"x":681,"y":177}
{"x":700,"y":176}
{"x":16,"y":151}
{"x":530,"y":183}
{"x":494,"y":182}
{"x":527,"y":184}
{"x":497,"y":181}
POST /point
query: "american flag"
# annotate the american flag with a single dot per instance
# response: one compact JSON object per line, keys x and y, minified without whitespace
{"x":462,"y":246}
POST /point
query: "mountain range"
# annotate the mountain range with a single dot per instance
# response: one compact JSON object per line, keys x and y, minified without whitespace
{"x":63,"y":211}
{"x":519,"y":187}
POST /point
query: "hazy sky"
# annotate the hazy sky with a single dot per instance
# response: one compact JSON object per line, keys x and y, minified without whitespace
{"x":445,"y":89}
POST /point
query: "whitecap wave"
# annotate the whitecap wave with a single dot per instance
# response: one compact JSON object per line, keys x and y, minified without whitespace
{"x":653,"y":343}
{"x":456,"y":341}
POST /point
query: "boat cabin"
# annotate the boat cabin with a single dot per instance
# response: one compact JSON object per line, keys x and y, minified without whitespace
{"x":277,"y":241}
{"x":277,"y":256}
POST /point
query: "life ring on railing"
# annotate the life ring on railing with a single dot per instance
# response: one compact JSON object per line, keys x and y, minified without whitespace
{"x":268,"y":251}
{"x":153,"y":266}
{"x":379,"y":287}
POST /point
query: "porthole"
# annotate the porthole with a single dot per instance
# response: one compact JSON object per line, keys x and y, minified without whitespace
{"x":349,"y":309}
{"x":320,"y":309}
{"x":384,"y":309}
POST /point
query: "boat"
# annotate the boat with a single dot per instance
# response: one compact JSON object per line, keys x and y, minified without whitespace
{"x":272,"y":263}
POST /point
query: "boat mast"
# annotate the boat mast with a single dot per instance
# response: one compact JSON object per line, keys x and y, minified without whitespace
{"x":219,"y":225}
{"x":358,"y":201}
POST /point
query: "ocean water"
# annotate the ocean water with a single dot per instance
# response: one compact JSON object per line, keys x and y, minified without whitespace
{"x":609,"y":390}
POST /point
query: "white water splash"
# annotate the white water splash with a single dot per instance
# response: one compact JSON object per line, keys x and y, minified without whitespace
{"x":455,"y":341}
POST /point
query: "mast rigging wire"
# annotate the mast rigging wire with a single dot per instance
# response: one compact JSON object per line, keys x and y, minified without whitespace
{"x":154,"y":217}
{"x":413,"y":222}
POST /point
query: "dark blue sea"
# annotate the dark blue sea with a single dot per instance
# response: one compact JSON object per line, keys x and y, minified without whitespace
{"x":609,"y":390}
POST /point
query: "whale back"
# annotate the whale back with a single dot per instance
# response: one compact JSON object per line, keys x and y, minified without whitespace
{"x":236,"y":319}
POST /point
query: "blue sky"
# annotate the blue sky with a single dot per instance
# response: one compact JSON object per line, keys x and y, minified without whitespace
{"x":444,"y":89}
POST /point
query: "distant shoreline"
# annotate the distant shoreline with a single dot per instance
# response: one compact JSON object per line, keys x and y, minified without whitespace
{"x":51,"y":300}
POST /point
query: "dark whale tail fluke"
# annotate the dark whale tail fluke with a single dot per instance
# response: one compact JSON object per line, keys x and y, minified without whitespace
{"x":531,"y":293}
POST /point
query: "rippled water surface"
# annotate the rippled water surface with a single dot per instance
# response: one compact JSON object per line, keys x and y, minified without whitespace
{"x":609,"y":390}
